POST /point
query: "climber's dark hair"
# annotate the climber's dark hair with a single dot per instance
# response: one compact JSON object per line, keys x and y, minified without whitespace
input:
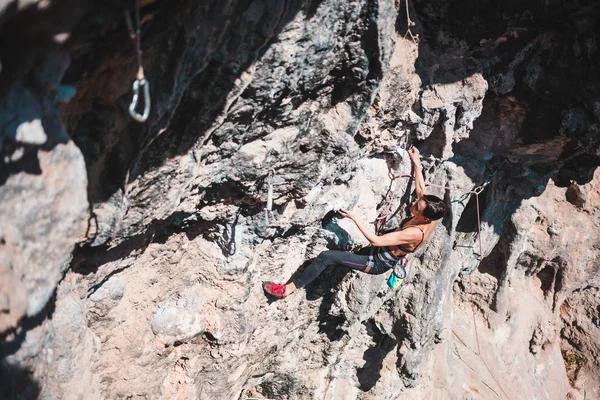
{"x":436,"y":207}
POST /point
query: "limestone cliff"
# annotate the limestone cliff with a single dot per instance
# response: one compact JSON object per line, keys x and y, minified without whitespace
{"x":132,"y":254}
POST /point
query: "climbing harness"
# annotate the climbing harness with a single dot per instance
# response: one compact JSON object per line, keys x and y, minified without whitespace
{"x":397,"y":277}
{"x":140,"y":82}
{"x":370,"y":261}
{"x":269,"y":208}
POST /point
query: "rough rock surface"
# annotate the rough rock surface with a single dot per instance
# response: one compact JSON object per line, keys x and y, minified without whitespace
{"x":43,"y":183}
{"x":162,"y":296}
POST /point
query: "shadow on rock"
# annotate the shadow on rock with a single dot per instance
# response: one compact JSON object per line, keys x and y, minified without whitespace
{"x":494,"y":264}
{"x":17,"y":383}
{"x":32,"y":64}
{"x":87,"y":258}
{"x":527,"y":112}
{"x":29,"y":164}
{"x":325,"y":287}
{"x":369,"y":374}
{"x":12,"y":340}
{"x":206,"y":49}
{"x":329,"y":223}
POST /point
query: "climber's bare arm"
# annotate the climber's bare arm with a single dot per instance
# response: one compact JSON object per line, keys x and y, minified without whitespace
{"x":414,"y":155}
{"x":403,"y":237}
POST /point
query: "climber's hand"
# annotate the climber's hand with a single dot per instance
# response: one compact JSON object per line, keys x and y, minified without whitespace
{"x":347,"y":214}
{"x":414,"y":154}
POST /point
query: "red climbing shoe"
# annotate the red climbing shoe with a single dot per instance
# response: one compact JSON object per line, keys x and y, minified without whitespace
{"x":274,"y":289}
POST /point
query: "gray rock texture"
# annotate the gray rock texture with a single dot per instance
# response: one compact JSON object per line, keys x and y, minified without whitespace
{"x":132,"y":255}
{"x":42,"y":172}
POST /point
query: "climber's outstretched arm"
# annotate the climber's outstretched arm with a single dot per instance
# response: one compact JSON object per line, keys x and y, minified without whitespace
{"x":414,"y":155}
{"x":390,"y":239}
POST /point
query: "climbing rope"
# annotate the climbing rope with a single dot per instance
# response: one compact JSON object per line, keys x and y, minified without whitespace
{"x":477,"y":340}
{"x":477,"y":191}
{"x":381,"y":221}
{"x":383,"y":218}
{"x":409,"y":24}
{"x":140,"y":81}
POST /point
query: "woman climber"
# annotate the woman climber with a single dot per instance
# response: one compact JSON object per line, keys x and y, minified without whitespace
{"x":387,"y":250}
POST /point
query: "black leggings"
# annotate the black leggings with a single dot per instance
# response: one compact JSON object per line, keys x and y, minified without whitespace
{"x":356,"y":261}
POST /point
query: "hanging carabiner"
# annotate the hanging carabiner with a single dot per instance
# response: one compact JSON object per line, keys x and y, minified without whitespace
{"x":479,"y":189}
{"x":140,"y":81}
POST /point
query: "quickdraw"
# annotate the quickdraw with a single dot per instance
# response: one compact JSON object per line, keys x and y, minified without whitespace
{"x":269,"y":208}
{"x":479,"y":189}
{"x":140,"y":81}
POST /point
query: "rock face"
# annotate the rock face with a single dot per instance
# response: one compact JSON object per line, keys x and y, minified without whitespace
{"x":154,"y":289}
{"x":42,"y":175}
